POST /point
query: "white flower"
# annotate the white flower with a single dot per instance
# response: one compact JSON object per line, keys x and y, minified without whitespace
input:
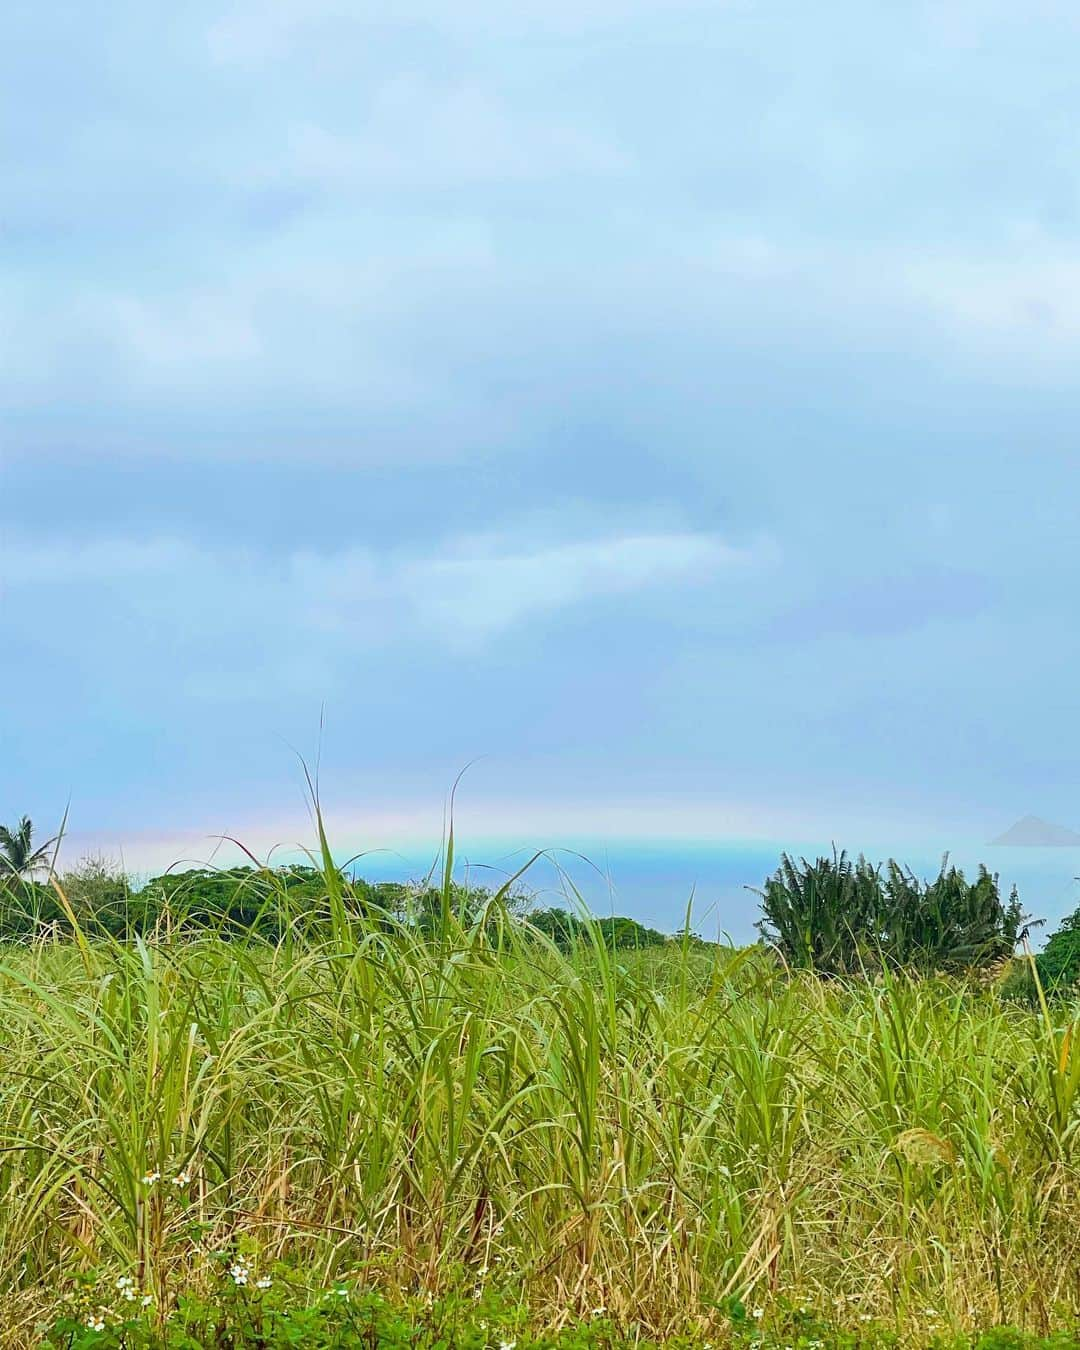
{"x":146,"y":1300}
{"x":150,"y":1178}
{"x":240,"y":1271}
{"x":264,"y":1283}
{"x":95,"y":1323}
{"x":758,"y":1314}
{"x":507,"y":1345}
{"x":181,"y":1179}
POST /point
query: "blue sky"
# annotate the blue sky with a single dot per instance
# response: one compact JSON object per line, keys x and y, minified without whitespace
{"x":673,"y":404}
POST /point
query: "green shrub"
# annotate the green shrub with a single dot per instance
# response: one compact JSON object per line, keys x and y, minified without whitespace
{"x":281,"y":1313}
{"x":619,"y":934}
{"x":839,"y":917}
{"x":285,"y":1314}
{"x":1059,"y":961}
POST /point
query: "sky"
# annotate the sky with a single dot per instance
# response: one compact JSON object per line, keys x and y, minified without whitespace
{"x":667,"y":408}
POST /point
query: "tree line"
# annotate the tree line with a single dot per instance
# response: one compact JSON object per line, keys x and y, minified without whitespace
{"x":263,"y":901}
{"x":837,"y":916}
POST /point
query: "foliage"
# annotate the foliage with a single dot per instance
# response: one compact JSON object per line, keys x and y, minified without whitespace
{"x":492,"y":1129}
{"x":839,"y":917}
{"x":287,"y":1314}
{"x":670,"y":1135}
{"x":19,"y":856}
{"x":270,"y":902}
{"x":1057,"y":968}
{"x":567,"y":931}
{"x":1059,"y":961}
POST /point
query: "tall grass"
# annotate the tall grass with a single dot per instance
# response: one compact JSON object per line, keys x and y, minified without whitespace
{"x":650,"y":1134}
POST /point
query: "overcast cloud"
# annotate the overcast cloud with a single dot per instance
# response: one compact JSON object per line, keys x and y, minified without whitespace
{"x":671,"y":402}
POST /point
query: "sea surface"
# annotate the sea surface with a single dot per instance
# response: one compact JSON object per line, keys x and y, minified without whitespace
{"x":661,"y":882}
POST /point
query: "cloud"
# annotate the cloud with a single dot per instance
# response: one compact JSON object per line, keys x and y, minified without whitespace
{"x":889,"y":604}
{"x":451,"y":232}
{"x":418,"y":133}
{"x":349,"y":599}
{"x":31,"y":565}
{"x":195,"y":330}
{"x":714,"y":272}
{"x":488,"y":587}
{"x":115,"y":345}
{"x":1022,"y":300}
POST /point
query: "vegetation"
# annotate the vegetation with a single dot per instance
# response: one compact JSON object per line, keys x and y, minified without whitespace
{"x":380,"y":1117}
{"x":1053,"y":972}
{"x":282,"y":1313}
{"x":839,"y":917}
{"x":1059,"y":961}
{"x":19,"y":856}
{"x":567,"y":931}
{"x":268,"y":902}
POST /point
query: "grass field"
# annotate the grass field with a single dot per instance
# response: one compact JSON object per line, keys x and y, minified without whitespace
{"x":679,"y":1142}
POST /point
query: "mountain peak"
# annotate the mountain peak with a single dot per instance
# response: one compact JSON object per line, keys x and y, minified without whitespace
{"x":1033,"y":832}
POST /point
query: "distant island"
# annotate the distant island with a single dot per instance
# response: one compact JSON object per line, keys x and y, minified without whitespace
{"x":1033,"y":832}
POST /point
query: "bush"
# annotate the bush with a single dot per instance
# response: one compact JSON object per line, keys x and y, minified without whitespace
{"x":279,"y":1313}
{"x":1057,"y":967}
{"x":283,"y":1313}
{"x":839,"y":917}
{"x":1059,"y":961}
{"x":618,"y":934}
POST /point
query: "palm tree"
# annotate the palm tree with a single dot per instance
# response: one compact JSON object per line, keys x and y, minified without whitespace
{"x":18,"y":856}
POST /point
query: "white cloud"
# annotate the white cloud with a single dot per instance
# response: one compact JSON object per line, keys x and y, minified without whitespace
{"x":416,"y":350}
{"x":1012,"y":309}
{"x":125,"y":339}
{"x":1031,"y":302}
{"x":489,"y":589}
{"x":354,"y":598}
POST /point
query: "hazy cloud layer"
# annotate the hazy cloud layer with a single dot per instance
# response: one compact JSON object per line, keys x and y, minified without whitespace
{"x":672,"y":400}
{"x":470,"y":588}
